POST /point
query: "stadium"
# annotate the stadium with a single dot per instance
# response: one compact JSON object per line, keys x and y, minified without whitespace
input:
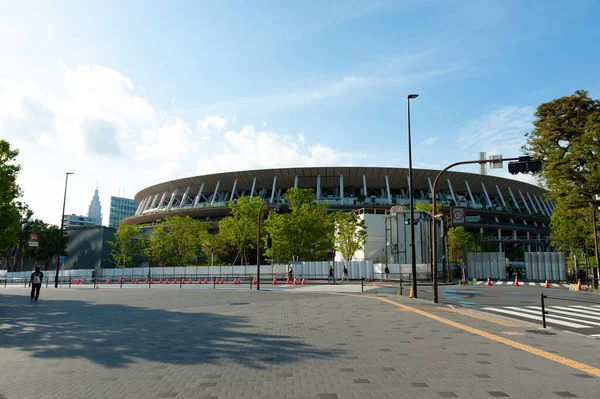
{"x":498,"y":207}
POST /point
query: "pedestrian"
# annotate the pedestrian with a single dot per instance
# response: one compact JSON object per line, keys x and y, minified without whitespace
{"x":149,"y":274}
{"x":387,"y":272}
{"x":344,"y":274}
{"x":331,"y":278}
{"x":290,"y":272}
{"x":35,"y":282}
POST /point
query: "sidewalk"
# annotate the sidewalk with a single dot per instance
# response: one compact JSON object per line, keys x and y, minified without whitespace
{"x":227,"y":344}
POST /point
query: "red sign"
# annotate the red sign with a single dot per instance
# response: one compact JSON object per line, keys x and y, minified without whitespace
{"x":160,"y":264}
{"x":33,"y":238}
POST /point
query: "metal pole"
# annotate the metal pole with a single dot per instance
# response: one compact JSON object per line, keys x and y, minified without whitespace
{"x":433,"y":209}
{"x":362,"y":284}
{"x":258,"y":249}
{"x":413,"y":259}
{"x":597,"y":276}
{"x":62,"y":222}
{"x":544,"y":313}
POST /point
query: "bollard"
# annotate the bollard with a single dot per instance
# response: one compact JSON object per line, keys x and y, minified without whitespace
{"x":121,"y":282}
{"x":362,"y":284}
{"x":180,"y":281}
{"x":150,"y":283}
{"x":214,"y":283}
{"x":544,"y":313}
{"x":69,"y":282}
{"x":400,"y":286}
{"x":250,"y":283}
{"x":25,"y":280}
{"x":47,"y":282}
{"x":5,"y":280}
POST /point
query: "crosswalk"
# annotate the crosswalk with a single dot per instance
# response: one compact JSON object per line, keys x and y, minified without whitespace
{"x":573,"y":316}
{"x":531,"y":284}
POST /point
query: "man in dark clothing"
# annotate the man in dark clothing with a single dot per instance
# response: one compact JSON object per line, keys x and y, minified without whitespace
{"x":35,"y":282}
{"x":331,"y":278}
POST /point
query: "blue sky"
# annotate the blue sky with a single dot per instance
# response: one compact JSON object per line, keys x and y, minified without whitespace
{"x":133,"y":93}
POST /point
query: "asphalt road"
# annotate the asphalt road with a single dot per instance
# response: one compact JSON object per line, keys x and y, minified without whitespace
{"x":577,"y":311}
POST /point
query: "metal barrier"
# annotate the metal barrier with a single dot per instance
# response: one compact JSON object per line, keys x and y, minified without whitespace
{"x":546,"y":313}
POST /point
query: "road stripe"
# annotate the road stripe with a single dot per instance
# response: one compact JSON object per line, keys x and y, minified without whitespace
{"x":553,"y":314}
{"x":529,"y":349}
{"x":480,"y":282}
{"x":499,"y":282}
{"x":539,"y":318}
{"x":555,"y":285}
{"x":564,"y":310}
{"x":586,"y":309}
{"x":566,"y":286}
{"x":531,"y":283}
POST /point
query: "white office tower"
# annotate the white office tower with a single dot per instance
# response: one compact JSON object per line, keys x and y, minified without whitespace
{"x":95,"y":209}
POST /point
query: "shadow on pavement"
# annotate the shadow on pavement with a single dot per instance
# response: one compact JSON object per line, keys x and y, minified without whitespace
{"x":120,"y":335}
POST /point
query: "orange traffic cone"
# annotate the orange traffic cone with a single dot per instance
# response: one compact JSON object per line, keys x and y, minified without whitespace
{"x":489,"y":283}
{"x":303,"y":282}
{"x":579,"y":285}
{"x":174,"y":281}
{"x":190,"y":282}
{"x":167,"y":281}
{"x":239,"y":280}
{"x":547,"y":285}
{"x":182,"y":281}
{"x":295,"y":282}
{"x":146,"y":281}
{"x":199,"y":281}
{"x":222,"y":282}
{"x":287,"y":281}
{"x":370,"y":279}
{"x":83,"y":281}
{"x":516,"y":284}
{"x":151,"y":282}
{"x":254,"y":282}
{"x":160,"y":282}
{"x":107,"y":281}
{"x":205,"y":281}
{"x":274,"y":281}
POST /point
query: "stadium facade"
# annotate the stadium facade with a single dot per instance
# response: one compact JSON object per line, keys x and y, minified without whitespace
{"x":495,"y":206}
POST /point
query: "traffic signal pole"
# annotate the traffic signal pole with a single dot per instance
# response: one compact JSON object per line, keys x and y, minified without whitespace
{"x":433,"y":219}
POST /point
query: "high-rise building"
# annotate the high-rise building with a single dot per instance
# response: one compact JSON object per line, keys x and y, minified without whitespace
{"x":78,"y":222}
{"x":95,"y":209}
{"x":120,"y":208}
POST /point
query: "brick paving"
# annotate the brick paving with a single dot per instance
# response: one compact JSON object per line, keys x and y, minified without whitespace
{"x":242,"y":344}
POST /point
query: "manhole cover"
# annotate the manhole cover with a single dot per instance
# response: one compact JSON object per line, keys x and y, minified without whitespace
{"x":239,"y":303}
{"x":540,"y":332}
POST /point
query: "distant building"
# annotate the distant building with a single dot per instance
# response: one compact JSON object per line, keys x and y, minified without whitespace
{"x":88,"y":248}
{"x":120,"y":208}
{"x":78,"y":221}
{"x":95,"y":209}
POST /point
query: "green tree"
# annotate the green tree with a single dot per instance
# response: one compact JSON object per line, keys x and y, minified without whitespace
{"x":239,"y":229}
{"x":176,"y":240}
{"x":48,"y":235}
{"x":128,"y":243}
{"x":350,"y":234}
{"x":421,"y":206}
{"x":458,"y":238}
{"x":566,"y":138}
{"x":571,"y":228}
{"x":305,"y":233}
{"x":12,"y":211}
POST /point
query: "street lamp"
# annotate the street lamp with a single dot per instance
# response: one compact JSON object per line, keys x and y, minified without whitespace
{"x":413,"y":259}
{"x":62,"y":223}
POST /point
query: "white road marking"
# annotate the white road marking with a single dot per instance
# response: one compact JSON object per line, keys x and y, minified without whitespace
{"x":566,"y":310}
{"x":552,"y":313}
{"x":539,"y":318}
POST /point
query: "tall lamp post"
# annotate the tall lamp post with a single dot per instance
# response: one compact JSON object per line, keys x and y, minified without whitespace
{"x":258,"y":246}
{"x":62,"y":224}
{"x":413,"y":259}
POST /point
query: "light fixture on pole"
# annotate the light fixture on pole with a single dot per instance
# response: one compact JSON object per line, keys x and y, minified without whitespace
{"x":62,"y":223}
{"x":413,"y":260}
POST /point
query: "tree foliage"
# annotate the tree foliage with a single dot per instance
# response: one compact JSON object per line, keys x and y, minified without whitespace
{"x":48,"y":235}
{"x":571,"y":227}
{"x":566,"y":138}
{"x":128,"y":243}
{"x":11,"y":210}
{"x":239,"y":229}
{"x":176,"y":240}
{"x":305,"y":233}
{"x":350,"y":234}
{"x":458,"y":238}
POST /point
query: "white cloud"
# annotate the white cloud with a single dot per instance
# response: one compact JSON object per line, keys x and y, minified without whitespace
{"x":252,"y":149}
{"x":502,"y":131}
{"x":99,"y":125}
{"x":211,"y":124}
{"x":429,"y":141}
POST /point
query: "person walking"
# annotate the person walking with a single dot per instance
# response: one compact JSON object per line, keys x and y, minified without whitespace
{"x":387,"y":272}
{"x":344,"y":274}
{"x":290,"y":272}
{"x":35,"y":282}
{"x":331,"y":278}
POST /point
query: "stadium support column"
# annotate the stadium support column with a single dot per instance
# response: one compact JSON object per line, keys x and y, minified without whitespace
{"x":524,"y":202}
{"x":342,"y":188}
{"x":273,"y":189}
{"x":500,"y":249}
{"x":514,"y":199}
{"x":253,"y":186}
{"x":389,"y":194}
{"x":365,"y":191}
{"x":318,"y":187}
{"x":501,"y":197}
{"x":170,"y":204}
{"x":231,"y":197}
{"x":296,"y":181}
{"x":214,"y":196}
{"x":197,"y":200}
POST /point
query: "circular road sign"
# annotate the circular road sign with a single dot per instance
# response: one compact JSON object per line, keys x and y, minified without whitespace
{"x":33,"y":238}
{"x":458,"y":215}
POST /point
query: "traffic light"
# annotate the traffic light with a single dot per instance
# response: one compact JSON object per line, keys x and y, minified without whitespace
{"x":524,"y":165}
{"x":406,"y":222}
{"x":333,"y":253}
{"x":415,"y":222}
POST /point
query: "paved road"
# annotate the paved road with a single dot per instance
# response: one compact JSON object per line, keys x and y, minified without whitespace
{"x":140,"y":343}
{"x":577,"y":311}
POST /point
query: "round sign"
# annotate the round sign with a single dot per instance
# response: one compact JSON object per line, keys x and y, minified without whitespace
{"x":458,"y":215}
{"x":160,"y":264}
{"x":33,"y":238}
